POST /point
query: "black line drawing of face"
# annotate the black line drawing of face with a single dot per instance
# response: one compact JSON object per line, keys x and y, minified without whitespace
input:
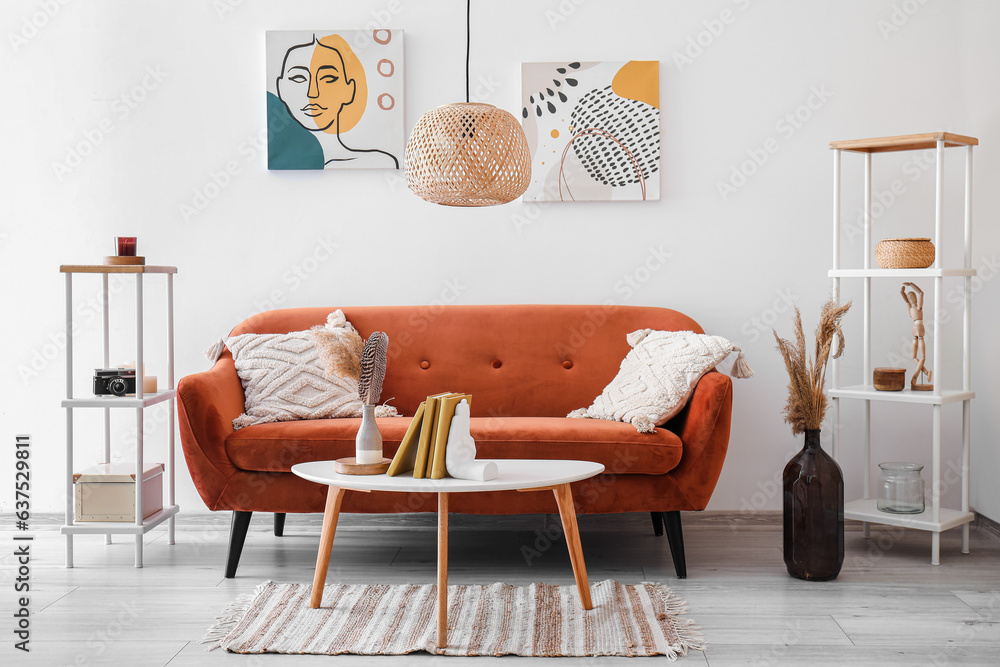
{"x":315,"y":86}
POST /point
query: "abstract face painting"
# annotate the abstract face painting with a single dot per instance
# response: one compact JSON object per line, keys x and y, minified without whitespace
{"x":593,"y":129}
{"x":335,"y":99}
{"x":314,"y":86}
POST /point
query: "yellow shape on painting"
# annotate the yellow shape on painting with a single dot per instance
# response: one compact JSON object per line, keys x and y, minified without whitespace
{"x":555,"y":134}
{"x":352,"y":110}
{"x":639,"y":80}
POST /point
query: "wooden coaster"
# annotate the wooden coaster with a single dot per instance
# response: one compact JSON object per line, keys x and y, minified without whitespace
{"x":349,"y":466}
{"x":121,"y":260}
{"x":922,"y":387}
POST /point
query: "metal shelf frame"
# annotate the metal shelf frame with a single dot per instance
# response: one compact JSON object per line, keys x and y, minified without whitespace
{"x":138,"y":403}
{"x":934,"y":519}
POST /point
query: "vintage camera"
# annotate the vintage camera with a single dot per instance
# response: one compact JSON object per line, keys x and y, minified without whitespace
{"x":114,"y":381}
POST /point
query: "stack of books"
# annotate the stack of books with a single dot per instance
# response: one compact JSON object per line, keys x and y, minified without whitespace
{"x":423,"y":446}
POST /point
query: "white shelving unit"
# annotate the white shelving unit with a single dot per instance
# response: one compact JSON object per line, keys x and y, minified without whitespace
{"x":935,"y":518}
{"x":138,"y":403}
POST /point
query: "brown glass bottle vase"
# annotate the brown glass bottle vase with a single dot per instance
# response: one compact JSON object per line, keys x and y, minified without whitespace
{"x":813,"y":513}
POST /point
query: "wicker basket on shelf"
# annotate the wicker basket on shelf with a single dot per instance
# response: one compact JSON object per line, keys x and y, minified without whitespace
{"x":904,"y":253}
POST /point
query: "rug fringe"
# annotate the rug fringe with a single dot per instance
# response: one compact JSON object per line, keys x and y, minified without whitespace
{"x":230,"y":616}
{"x":690,"y":635}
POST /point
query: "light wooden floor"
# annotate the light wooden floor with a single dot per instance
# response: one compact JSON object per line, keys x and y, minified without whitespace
{"x":888,"y":607}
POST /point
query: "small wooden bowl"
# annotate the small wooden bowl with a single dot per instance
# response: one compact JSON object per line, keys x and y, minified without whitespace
{"x":889,"y":379}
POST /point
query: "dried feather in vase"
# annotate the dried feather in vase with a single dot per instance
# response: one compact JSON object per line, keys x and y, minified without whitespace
{"x":373,"y":361}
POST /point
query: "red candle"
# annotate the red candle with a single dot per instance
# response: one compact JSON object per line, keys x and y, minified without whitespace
{"x":125,"y":246}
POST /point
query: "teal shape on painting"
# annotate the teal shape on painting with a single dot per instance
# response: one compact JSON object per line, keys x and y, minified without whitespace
{"x":289,"y":145}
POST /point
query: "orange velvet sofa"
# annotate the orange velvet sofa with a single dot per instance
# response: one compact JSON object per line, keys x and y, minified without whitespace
{"x":526,"y":366}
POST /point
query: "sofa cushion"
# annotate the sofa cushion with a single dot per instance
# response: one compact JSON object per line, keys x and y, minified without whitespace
{"x":657,"y":377}
{"x":299,"y":375}
{"x":276,"y":447}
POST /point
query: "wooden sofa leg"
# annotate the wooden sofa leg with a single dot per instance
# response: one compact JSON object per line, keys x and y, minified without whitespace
{"x":237,"y":536}
{"x":279,"y":524}
{"x":676,"y":539}
{"x":657,"y":523}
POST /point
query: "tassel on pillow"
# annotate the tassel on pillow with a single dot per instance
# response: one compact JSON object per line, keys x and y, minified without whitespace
{"x":741,"y":369}
{"x":214,"y":351}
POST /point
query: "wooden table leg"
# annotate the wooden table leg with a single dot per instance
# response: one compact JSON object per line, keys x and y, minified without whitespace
{"x":564,"y":498}
{"x":442,"y":583}
{"x":333,"y":499}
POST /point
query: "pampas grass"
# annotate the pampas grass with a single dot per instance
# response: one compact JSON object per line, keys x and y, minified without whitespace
{"x":339,"y":351}
{"x":807,"y":401}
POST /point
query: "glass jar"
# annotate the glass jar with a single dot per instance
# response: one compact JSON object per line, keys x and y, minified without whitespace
{"x":901,"y":488}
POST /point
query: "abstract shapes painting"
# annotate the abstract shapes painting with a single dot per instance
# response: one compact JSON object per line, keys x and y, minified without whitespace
{"x":335,"y":99}
{"x":593,"y":129}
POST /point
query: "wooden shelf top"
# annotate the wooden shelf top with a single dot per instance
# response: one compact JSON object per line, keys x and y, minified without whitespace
{"x":110,"y":268}
{"x":904,"y":142}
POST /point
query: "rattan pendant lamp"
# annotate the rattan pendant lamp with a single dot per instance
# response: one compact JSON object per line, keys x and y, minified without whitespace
{"x":468,"y":154}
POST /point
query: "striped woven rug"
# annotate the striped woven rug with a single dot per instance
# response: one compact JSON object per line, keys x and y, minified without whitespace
{"x":498,"y":619}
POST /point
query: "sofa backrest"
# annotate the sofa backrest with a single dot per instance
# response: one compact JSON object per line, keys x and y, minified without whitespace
{"x":516,"y":360}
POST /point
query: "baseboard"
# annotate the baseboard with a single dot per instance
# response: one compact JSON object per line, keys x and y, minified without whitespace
{"x":729,"y":520}
{"x":987,"y":526}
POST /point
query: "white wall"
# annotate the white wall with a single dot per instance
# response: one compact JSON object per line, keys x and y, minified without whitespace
{"x":736,"y":264}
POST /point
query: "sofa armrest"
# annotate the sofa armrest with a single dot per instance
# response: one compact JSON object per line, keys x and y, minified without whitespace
{"x":207,"y":404}
{"x":703,"y":427}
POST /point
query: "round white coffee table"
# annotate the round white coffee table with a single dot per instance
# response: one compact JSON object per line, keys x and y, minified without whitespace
{"x":514,"y":475}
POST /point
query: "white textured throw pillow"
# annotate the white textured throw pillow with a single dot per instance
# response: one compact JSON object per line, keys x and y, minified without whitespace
{"x":658,"y":376}
{"x":284,"y":378}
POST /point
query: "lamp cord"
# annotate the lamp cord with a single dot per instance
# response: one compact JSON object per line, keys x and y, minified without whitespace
{"x":468,"y":42}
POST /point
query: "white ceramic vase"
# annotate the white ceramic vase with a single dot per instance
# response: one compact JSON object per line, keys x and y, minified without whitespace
{"x":368,"y":443}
